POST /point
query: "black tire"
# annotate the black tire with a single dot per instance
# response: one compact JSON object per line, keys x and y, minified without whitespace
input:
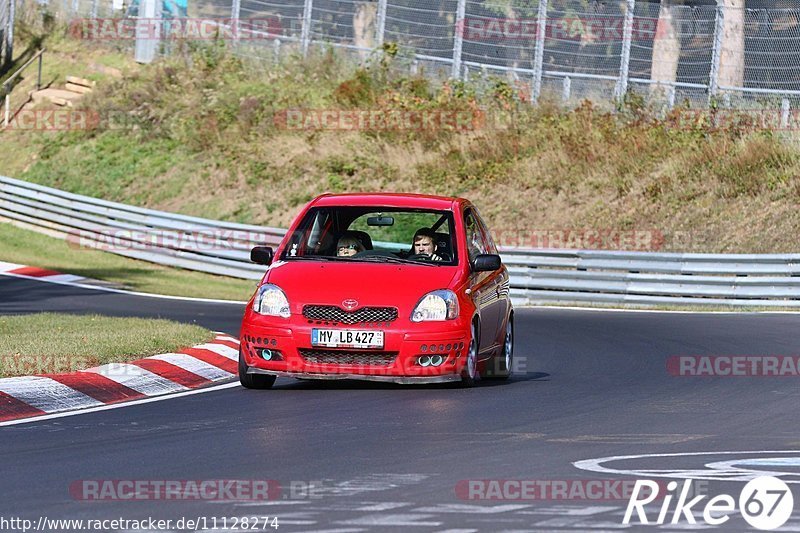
{"x":503,"y":364}
{"x":253,"y":381}
{"x":469,"y":376}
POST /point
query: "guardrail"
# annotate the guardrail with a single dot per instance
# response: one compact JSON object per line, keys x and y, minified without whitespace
{"x":193,"y":243}
{"x":537,"y":276}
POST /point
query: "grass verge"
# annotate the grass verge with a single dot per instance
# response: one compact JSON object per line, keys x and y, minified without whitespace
{"x":34,"y":249}
{"x":75,"y":342}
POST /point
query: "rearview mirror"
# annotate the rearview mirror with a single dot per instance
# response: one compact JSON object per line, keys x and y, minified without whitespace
{"x":380,"y":221}
{"x":486,"y":263}
{"x":261,"y":255}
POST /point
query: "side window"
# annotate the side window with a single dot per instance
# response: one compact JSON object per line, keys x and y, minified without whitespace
{"x":475,"y":242}
{"x":487,"y":237}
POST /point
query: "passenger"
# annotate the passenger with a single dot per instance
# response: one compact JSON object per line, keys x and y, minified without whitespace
{"x":349,"y":246}
{"x":425,"y":244}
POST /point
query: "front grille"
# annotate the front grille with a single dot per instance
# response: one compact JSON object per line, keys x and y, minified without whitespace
{"x":332,"y":313}
{"x":344,"y":357}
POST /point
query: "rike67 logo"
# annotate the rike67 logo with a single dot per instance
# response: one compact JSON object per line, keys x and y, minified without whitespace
{"x":766,"y":503}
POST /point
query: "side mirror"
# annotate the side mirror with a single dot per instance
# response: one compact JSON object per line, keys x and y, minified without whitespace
{"x":261,"y":255}
{"x":486,"y":263}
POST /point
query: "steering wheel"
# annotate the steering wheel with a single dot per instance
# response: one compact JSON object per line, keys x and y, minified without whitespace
{"x":429,"y":258}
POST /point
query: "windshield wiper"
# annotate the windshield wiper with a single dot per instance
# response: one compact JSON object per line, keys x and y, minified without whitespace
{"x":385,"y":259}
{"x":312,"y":258}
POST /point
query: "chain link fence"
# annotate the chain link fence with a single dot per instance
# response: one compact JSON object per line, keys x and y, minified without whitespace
{"x":666,"y":51}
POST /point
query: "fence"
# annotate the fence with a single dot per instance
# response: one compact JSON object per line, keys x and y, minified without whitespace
{"x":572,"y":49}
{"x":7,"y":9}
{"x":668,"y":51}
{"x":537,"y":276}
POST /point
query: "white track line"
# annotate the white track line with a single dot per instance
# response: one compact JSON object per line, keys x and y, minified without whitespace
{"x":46,"y":394}
{"x":119,"y":405}
{"x":121,"y":291}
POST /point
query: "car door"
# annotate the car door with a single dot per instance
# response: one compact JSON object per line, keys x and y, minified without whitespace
{"x":499,"y":280}
{"x":482,"y":284}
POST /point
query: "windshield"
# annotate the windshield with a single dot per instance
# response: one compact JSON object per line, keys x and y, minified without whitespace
{"x":374,"y":235}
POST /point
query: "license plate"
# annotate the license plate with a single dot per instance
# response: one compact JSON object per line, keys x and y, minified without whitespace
{"x":346,"y":338}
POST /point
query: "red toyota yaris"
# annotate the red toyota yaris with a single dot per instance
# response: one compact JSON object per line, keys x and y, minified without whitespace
{"x":403,"y":288}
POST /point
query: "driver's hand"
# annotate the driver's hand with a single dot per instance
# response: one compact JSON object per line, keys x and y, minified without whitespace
{"x":435,"y":257}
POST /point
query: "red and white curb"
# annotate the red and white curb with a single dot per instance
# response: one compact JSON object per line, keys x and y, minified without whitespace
{"x":191,"y":368}
{"x":40,"y":273}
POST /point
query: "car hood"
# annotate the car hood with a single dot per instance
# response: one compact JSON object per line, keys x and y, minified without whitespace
{"x":370,"y":284}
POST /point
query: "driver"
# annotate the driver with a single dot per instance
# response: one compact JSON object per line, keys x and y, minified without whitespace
{"x":424,"y":244}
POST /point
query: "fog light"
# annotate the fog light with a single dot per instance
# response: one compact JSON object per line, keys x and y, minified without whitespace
{"x":266,"y":354}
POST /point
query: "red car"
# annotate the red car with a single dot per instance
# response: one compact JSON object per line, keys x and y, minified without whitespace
{"x":403,"y":288}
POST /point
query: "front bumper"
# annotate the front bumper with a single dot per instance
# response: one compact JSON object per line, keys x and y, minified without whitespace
{"x":397,"y":362}
{"x":403,"y":380}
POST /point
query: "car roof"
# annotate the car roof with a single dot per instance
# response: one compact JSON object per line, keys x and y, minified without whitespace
{"x":417,"y":201}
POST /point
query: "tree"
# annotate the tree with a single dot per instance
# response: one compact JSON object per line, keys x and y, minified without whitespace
{"x":666,"y":46}
{"x":731,"y":59}
{"x":365,"y":20}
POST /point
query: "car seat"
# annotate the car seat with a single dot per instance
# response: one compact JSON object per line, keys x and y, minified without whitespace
{"x":443,"y":247}
{"x":362,"y":236}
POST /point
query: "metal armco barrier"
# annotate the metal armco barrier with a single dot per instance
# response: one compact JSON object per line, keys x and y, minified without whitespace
{"x":211,"y":246}
{"x":537,"y":276}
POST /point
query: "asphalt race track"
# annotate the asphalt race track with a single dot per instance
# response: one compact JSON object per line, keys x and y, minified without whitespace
{"x":390,"y":458}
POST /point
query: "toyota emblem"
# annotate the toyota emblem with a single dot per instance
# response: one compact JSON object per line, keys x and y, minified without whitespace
{"x":350,"y":304}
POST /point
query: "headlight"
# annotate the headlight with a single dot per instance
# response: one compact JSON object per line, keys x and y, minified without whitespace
{"x":270,"y":300}
{"x":436,"y":305}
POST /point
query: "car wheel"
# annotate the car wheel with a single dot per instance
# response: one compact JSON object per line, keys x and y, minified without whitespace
{"x":253,"y":381}
{"x":469,"y":374}
{"x":503,"y":363}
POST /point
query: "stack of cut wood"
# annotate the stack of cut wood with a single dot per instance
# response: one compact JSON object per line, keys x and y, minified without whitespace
{"x":73,"y":90}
